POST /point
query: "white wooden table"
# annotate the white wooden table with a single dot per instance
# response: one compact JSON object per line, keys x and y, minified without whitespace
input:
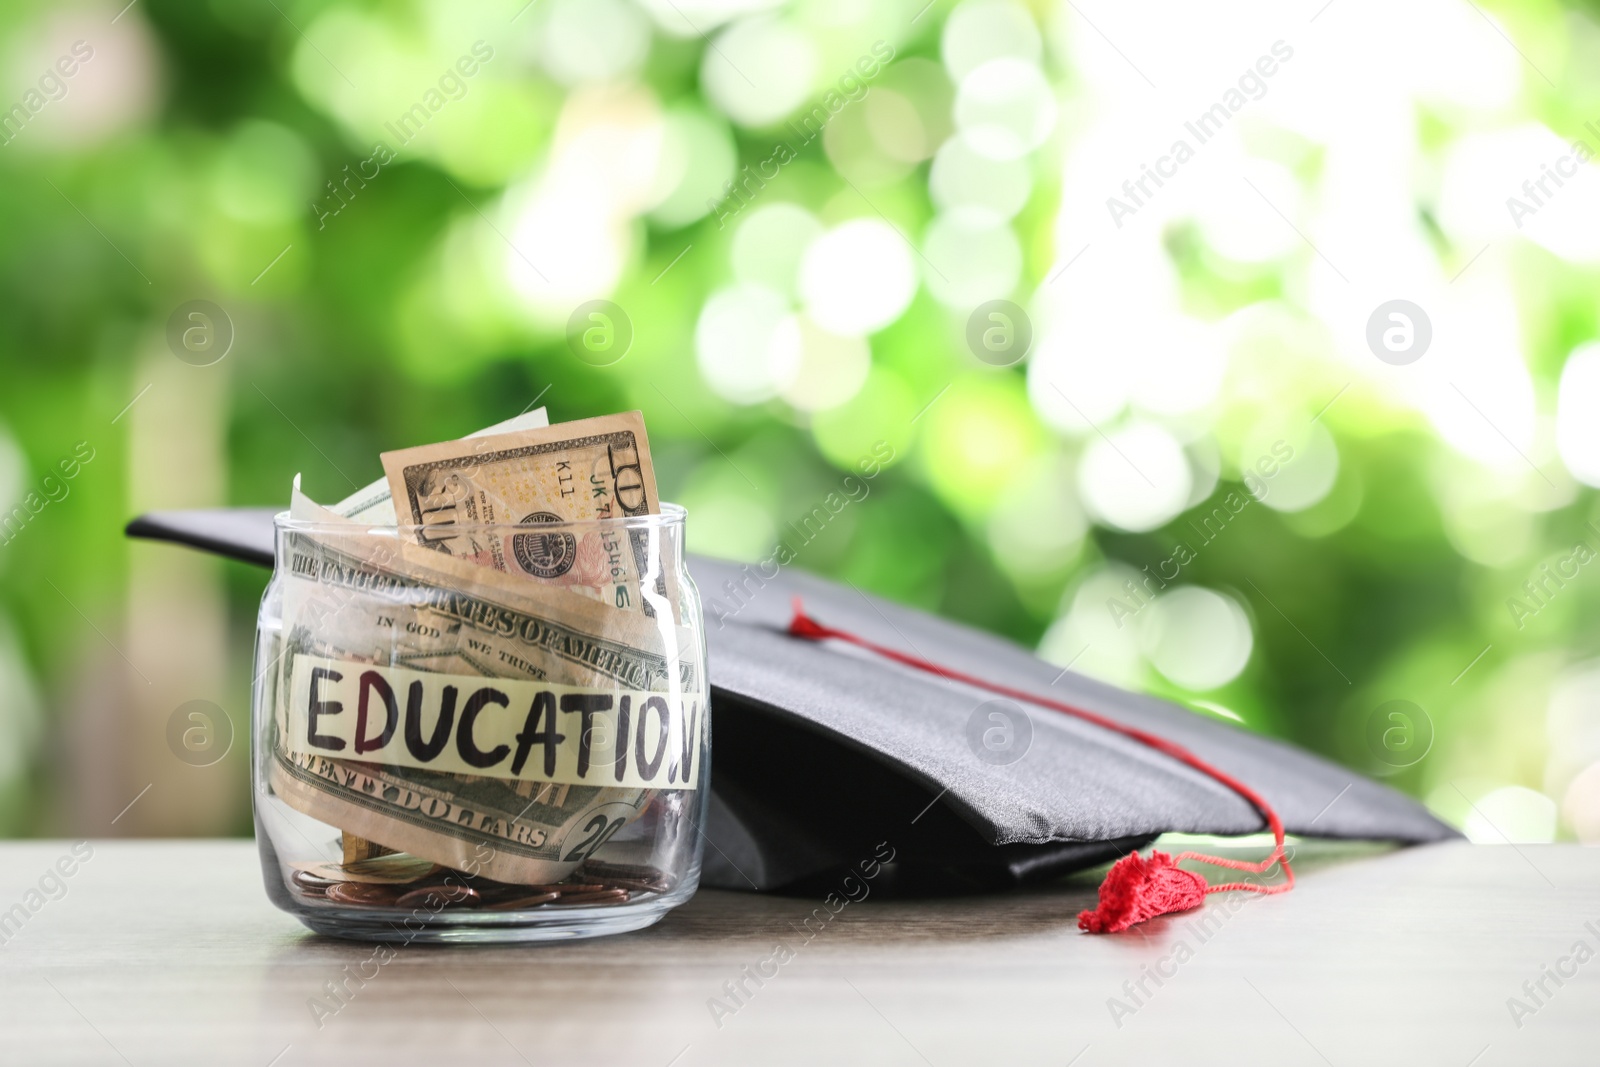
{"x":168,"y":952}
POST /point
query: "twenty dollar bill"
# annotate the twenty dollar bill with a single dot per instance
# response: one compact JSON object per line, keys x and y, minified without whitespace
{"x":463,"y":498}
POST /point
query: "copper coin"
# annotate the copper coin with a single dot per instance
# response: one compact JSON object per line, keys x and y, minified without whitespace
{"x":630,"y":875}
{"x":481,"y":884}
{"x":517,"y":903}
{"x":608,"y":896}
{"x":622,"y":870}
{"x":499,"y":894}
{"x":638,"y":885}
{"x":434,"y":895}
{"x":393,"y":869}
{"x":306,"y":880}
{"x":368,"y":894}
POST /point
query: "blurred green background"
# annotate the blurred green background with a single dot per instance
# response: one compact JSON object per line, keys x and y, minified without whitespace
{"x":1182,"y":457}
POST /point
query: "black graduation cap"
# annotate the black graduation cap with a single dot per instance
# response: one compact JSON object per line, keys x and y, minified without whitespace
{"x":824,"y":751}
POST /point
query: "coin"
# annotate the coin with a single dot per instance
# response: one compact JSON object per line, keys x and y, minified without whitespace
{"x":551,"y":887}
{"x":637,"y":885}
{"x":307,"y":880}
{"x":445,"y":894}
{"x":629,"y":875}
{"x":605,"y":896}
{"x":603,"y":869}
{"x":394,"y":869}
{"x":366,"y":894}
{"x":517,"y":903}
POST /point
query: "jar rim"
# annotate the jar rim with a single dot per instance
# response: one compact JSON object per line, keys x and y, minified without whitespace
{"x":671,"y":516}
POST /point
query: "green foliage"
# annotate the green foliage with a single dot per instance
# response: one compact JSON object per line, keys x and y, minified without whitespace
{"x":434,"y":301}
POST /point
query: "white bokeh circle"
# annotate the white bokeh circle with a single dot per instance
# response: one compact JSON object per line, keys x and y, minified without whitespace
{"x":981,"y":30}
{"x":857,"y":277}
{"x":768,"y":244}
{"x":828,"y":369}
{"x":971,"y":258}
{"x":759,"y":70}
{"x":962,"y":177}
{"x":1135,"y":478}
{"x":1196,"y":637}
{"x":737,"y":346}
{"x":1005,"y":108}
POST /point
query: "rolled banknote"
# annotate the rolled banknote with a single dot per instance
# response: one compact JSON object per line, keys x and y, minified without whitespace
{"x":372,"y":504}
{"x":462,"y":498}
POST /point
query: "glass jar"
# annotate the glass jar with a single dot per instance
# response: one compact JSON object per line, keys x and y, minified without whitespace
{"x":444,"y":751}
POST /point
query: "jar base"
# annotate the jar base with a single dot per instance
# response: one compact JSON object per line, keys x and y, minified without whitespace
{"x":462,"y":928}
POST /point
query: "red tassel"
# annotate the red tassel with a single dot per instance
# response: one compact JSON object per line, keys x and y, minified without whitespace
{"x":1137,"y":889}
{"x":803,"y":625}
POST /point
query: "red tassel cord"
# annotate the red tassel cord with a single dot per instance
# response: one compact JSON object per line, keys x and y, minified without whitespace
{"x":1135,"y":889}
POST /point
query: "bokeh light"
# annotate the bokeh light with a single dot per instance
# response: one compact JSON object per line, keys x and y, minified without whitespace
{"x":761,"y":69}
{"x":739,"y":345}
{"x":857,"y":277}
{"x":1136,"y":477}
{"x":1197,"y":637}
